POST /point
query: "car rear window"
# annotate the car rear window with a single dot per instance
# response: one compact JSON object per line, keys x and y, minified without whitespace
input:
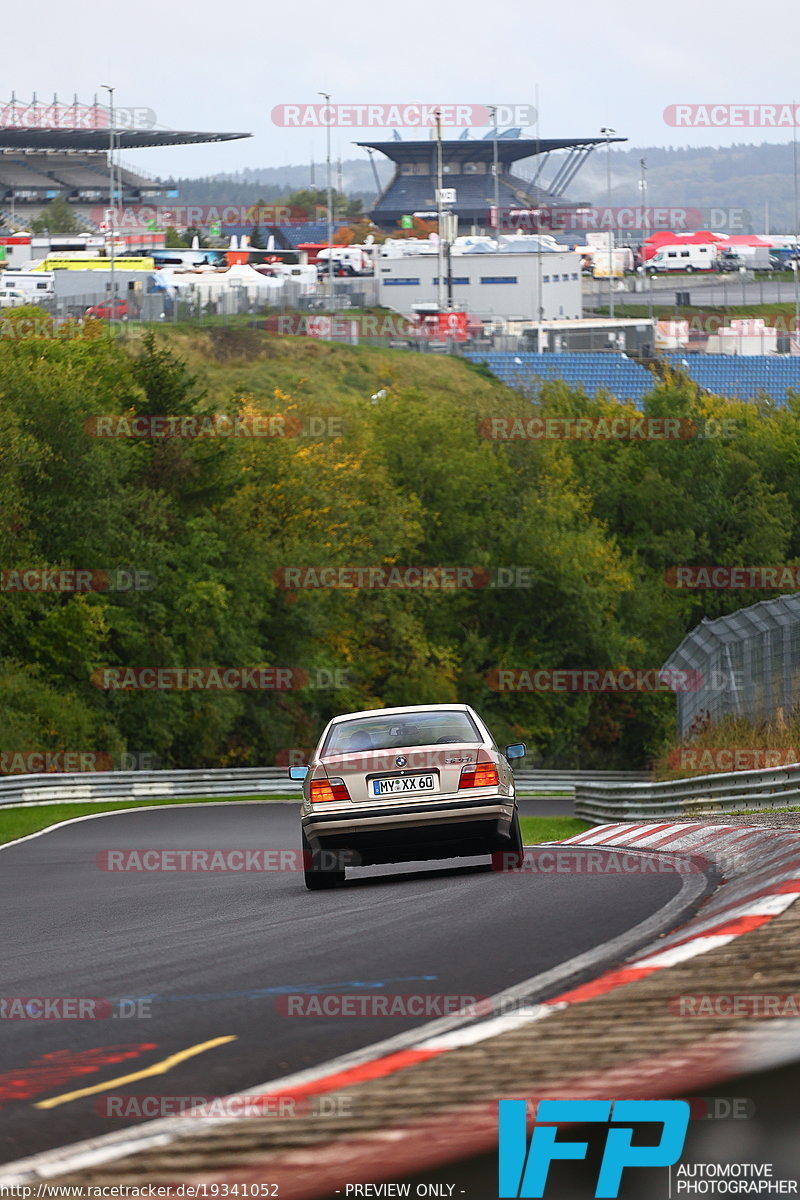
{"x":401,"y":730}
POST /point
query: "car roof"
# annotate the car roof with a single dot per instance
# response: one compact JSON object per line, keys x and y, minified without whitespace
{"x":406,"y":708}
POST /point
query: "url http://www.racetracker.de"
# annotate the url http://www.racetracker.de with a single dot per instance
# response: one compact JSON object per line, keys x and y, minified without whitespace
{"x":192,"y":1191}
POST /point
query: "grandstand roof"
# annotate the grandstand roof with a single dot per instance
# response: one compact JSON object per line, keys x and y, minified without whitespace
{"x":470,"y":150}
{"x":97,"y":139}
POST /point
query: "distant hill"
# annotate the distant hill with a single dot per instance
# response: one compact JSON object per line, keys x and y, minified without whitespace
{"x":759,"y":181}
{"x":275,"y":183}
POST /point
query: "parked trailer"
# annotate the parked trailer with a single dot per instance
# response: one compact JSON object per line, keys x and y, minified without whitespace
{"x":620,"y":260}
{"x":755,"y":258}
{"x":38,"y":285}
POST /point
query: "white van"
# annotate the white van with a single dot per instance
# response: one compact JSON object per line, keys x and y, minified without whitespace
{"x":679,"y":257}
{"x":355,"y":258}
{"x":13,"y":298}
{"x":35,"y":285}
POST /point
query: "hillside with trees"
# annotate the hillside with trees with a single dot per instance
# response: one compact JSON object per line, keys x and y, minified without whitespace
{"x":385,"y":465}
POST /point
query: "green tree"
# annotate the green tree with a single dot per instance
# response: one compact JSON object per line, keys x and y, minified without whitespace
{"x":215,"y":521}
{"x":56,"y":218}
{"x":315,"y":203}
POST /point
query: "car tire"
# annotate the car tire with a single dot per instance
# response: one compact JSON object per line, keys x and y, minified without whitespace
{"x":515,"y":834}
{"x":317,"y":877}
{"x":512,"y":857}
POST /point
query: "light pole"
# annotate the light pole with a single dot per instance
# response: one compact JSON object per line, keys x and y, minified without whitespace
{"x":439,"y":214}
{"x":110,"y":91}
{"x":493,"y":111}
{"x":608,"y":133}
{"x":326,"y":97}
{"x":645,"y":276}
{"x":796,"y":263}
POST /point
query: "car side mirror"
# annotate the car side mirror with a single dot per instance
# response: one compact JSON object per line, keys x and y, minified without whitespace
{"x":516,"y":750}
{"x":298,"y":773}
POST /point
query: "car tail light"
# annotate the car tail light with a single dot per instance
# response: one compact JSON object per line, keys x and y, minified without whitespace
{"x":324,"y":790}
{"x":478,"y":775}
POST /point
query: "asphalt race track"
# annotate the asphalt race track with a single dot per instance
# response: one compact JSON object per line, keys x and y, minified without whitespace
{"x":208,"y":956}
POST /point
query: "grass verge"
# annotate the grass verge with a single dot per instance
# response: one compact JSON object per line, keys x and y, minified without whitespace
{"x":17,"y":822}
{"x":550,"y":829}
{"x":663,"y":310}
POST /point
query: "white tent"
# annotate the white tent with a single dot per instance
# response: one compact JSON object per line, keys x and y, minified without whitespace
{"x":211,"y":285}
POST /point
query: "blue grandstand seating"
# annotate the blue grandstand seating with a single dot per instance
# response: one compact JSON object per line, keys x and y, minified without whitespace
{"x":615,"y":373}
{"x":741,"y":377}
{"x":308,"y":231}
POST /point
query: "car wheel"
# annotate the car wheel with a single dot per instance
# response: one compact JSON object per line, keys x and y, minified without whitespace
{"x":513,"y":857}
{"x":317,"y":872}
{"x":690,"y":270}
{"x":515,"y":833}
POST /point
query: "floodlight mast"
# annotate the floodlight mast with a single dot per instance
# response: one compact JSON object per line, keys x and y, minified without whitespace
{"x":326,"y":96}
{"x":439,"y":213}
{"x":608,"y":133}
{"x":112,"y":234}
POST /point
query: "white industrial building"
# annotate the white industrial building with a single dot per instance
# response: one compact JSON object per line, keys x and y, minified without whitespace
{"x":522,"y":279}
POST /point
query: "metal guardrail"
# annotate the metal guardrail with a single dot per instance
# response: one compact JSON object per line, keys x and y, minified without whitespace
{"x":97,"y":786}
{"x":532,"y":782}
{"x":681,"y":799}
{"x":86,"y":788}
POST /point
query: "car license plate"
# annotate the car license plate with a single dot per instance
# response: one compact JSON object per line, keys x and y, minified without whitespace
{"x":404,"y":784}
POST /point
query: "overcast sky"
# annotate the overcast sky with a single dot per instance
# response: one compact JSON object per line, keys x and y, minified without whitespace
{"x":207,"y":66}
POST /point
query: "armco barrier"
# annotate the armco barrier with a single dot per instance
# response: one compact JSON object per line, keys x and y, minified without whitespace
{"x":241,"y":781}
{"x":684,"y":799}
{"x":140,"y":785}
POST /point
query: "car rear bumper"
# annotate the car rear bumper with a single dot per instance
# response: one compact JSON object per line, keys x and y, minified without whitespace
{"x":407,"y":832}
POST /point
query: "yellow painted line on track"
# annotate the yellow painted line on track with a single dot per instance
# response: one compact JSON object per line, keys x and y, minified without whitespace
{"x":159,"y":1068}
